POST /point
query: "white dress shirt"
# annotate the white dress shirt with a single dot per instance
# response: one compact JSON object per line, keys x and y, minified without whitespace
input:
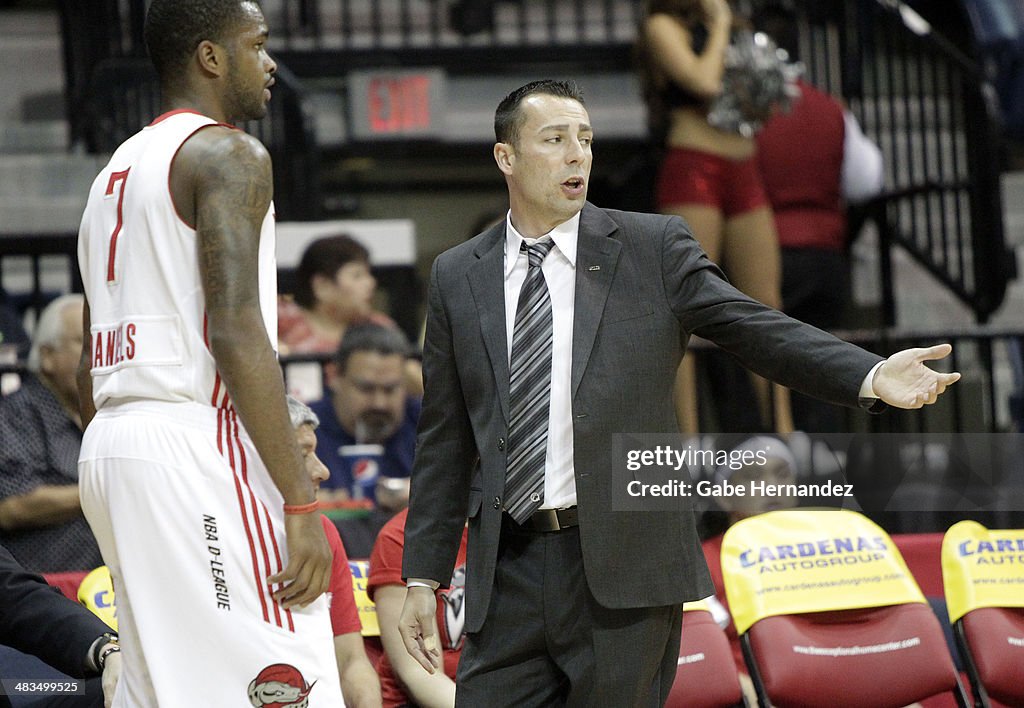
{"x":559,"y":269}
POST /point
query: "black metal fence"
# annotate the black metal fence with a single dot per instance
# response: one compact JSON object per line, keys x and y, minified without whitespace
{"x":930,"y":109}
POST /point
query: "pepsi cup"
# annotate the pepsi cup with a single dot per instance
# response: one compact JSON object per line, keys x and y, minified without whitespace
{"x":364,"y":463}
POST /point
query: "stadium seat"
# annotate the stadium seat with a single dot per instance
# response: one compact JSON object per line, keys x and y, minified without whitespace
{"x":706,"y":675}
{"x":828,"y":614}
{"x":67,"y":582}
{"x":984,"y":582}
{"x":367,"y":610}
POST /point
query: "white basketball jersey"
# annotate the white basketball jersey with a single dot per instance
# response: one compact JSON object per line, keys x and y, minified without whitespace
{"x":140,"y":268}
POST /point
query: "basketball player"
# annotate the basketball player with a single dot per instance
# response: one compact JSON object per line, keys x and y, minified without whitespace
{"x":190,"y":475}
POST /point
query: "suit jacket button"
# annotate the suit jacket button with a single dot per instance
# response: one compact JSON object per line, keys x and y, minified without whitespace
{"x":497,"y":502}
{"x":501,"y":444}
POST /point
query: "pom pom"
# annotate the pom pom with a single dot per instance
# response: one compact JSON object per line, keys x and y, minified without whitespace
{"x":758,"y":80}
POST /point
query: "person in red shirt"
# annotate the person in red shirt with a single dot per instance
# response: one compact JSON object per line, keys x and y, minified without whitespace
{"x":359,"y":684}
{"x":403,"y":681}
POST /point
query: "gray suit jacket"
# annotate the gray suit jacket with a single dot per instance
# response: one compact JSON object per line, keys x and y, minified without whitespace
{"x":633,"y":314}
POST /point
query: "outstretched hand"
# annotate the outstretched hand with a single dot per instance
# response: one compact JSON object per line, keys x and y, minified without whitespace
{"x":904,"y":381}
{"x":418,"y":627}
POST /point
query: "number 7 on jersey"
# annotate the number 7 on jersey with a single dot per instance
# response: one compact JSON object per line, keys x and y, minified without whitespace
{"x":116,"y":177}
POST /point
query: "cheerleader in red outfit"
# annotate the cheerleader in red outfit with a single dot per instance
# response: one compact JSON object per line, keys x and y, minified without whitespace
{"x":708,"y":176}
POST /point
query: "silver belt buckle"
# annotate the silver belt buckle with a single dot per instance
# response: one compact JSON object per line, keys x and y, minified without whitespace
{"x":545,"y":520}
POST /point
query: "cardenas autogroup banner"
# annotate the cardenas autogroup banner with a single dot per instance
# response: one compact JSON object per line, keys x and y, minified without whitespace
{"x":982,"y":568}
{"x":811,"y":560}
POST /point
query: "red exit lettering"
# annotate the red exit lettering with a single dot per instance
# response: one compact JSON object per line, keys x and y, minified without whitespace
{"x":399,"y":104}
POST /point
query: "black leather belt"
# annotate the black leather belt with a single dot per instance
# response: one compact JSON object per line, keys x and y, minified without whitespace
{"x":544,"y":520}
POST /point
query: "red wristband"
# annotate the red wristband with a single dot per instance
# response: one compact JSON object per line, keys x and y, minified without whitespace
{"x":302,"y":508}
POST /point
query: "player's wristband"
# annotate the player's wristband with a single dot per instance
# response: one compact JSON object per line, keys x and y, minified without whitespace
{"x":104,"y":645}
{"x":302,"y":508}
{"x":111,"y":648}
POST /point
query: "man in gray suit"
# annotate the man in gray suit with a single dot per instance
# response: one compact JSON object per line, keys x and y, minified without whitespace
{"x":568,"y":601}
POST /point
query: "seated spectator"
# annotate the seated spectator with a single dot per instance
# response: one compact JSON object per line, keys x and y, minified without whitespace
{"x":359,"y":684}
{"x":41,"y":520}
{"x":36,"y":619}
{"x":334,"y":290}
{"x":368,"y":421}
{"x":403,"y":681}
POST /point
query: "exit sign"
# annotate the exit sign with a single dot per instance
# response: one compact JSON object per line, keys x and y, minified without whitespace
{"x":396,"y":104}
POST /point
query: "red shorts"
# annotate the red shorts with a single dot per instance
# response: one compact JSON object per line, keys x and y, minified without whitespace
{"x":694,"y":177}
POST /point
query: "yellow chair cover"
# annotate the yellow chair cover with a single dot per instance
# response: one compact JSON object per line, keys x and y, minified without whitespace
{"x":811,"y":560}
{"x":97,"y":593}
{"x":982,"y":568}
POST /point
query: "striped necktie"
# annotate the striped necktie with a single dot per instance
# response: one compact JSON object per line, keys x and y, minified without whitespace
{"x":529,"y":389}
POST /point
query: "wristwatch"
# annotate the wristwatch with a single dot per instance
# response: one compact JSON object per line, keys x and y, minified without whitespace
{"x":105,"y":646}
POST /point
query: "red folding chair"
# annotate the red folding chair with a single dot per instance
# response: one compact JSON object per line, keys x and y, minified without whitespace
{"x":706,"y":675}
{"x":828,"y":614}
{"x":983,"y":576}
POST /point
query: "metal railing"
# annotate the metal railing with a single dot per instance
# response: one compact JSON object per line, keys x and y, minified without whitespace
{"x":934,"y":115}
{"x":988,"y":399}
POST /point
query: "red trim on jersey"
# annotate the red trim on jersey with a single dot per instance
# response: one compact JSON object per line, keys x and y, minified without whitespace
{"x":280,"y":565}
{"x":233,"y":422}
{"x":252,"y":550}
{"x":227,"y":432}
{"x":178,"y":111}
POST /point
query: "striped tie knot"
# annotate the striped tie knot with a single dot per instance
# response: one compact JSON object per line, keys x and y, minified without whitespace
{"x":537,"y":252}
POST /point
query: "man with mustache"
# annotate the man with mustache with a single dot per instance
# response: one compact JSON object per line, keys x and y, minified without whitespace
{"x":367,"y":434}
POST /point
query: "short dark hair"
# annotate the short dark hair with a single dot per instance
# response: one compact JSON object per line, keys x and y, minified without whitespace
{"x":508,"y":119}
{"x":325,"y":257}
{"x":174,"y":28}
{"x":370,"y":337}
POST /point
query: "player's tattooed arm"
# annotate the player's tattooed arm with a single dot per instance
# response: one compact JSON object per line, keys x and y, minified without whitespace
{"x":233,"y":189}
{"x":231,"y":192}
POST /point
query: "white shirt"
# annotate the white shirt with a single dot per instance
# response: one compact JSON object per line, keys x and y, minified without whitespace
{"x":559,"y":269}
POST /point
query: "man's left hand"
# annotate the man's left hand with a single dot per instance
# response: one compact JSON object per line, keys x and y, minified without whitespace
{"x":904,"y":381}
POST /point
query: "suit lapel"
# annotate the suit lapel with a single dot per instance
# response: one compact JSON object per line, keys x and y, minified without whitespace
{"x":487,"y":283}
{"x":596,"y":258}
